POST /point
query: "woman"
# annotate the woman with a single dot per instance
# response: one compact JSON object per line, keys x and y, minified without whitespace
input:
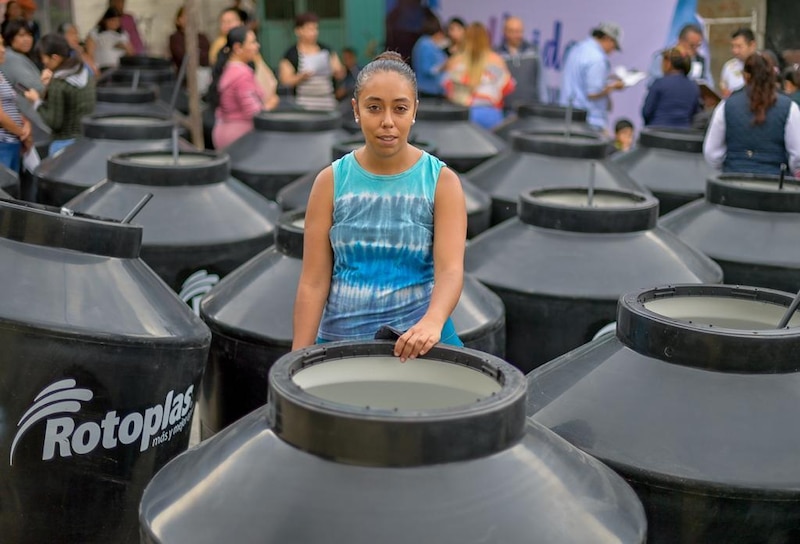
{"x":71,"y":34}
{"x":70,"y":93}
{"x":107,"y":42}
{"x":385,"y":229}
{"x":429,"y":57}
{"x":14,"y":129}
{"x":479,"y":78}
{"x":18,"y":66}
{"x":756,"y":129}
{"x":674,"y":99}
{"x":240,"y":95}
{"x":456,"y":31}
{"x":177,"y":42}
{"x":13,"y":11}
{"x":309,"y":67}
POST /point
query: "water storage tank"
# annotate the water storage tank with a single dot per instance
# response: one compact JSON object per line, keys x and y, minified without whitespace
{"x":200,"y":225}
{"x":669,"y":163}
{"x":436,"y":449}
{"x":9,"y":182}
{"x":83,"y":164}
{"x":546,"y":159}
{"x":250,"y":315}
{"x":749,"y":226}
{"x":547,"y":117}
{"x":563,"y":263}
{"x":124,"y":99}
{"x":295,"y":195}
{"x":461,"y":144}
{"x":99,"y":370}
{"x":693,"y":402}
{"x":284,"y":146}
{"x":138,"y":71}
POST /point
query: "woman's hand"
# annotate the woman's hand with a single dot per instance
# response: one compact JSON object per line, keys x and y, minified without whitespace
{"x":46,"y":76}
{"x":32,"y":95}
{"x":418,"y":340}
{"x":26,"y":130}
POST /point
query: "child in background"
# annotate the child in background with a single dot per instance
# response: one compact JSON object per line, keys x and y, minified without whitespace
{"x":791,"y":82}
{"x":623,"y":135}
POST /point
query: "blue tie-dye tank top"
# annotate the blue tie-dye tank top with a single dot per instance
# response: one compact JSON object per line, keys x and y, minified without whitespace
{"x":382,"y":240}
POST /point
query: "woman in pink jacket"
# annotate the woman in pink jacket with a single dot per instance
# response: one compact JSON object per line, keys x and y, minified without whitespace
{"x":239,"y":96}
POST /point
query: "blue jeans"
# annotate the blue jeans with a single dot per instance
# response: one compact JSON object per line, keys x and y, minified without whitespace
{"x":58,"y":145}
{"x":485,"y":116}
{"x":10,"y":155}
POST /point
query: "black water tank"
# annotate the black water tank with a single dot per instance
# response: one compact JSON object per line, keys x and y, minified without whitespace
{"x":123,"y":99}
{"x":434,"y":450}
{"x":83,"y":164}
{"x":283,"y":146}
{"x":98,"y":373}
{"x":693,"y":402}
{"x":201,"y":223}
{"x":547,"y":117}
{"x":670,"y":164}
{"x":250,"y":315}
{"x":562,"y":264}
{"x":141,"y":70}
{"x":295,"y":195}
{"x":9,"y":182}
{"x":547,"y":159}
{"x":749,"y":226}
{"x":461,"y":144}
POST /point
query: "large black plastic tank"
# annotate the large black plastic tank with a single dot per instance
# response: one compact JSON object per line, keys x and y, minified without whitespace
{"x":747,"y":225}
{"x":547,"y":117}
{"x":562,"y":264}
{"x":283,"y":146}
{"x":83,"y":164}
{"x":547,"y":159}
{"x":99,"y":370}
{"x":670,"y":164}
{"x":357,"y":447}
{"x":295,"y":195}
{"x":142,"y":70}
{"x":250,"y":315}
{"x":694,"y":402}
{"x":9,"y":182}
{"x":124,"y":99}
{"x":201,"y":223}
{"x":461,"y":144}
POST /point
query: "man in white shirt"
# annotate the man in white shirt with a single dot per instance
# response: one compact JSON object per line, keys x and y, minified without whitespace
{"x":743,"y":44}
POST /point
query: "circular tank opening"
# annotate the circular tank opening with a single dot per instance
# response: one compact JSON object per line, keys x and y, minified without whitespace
{"x":165,"y":159}
{"x":722,"y":312}
{"x":577,"y":198}
{"x":300,"y":223}
{"x":383,"y":382}
{"x":127,"y":120}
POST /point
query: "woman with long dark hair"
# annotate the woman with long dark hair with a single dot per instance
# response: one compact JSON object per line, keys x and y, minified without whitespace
{"x":756,"y":129}
{"x":108,"y":42}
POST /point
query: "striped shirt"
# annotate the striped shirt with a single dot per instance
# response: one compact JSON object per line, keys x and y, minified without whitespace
{"x":8,"y":98}
{"x":316,"y":93}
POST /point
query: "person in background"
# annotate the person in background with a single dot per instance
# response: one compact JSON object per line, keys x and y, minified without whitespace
{"x":456,"y":29}
{"x":15,"y":130}
{"x":743,"y":44}
{"x":240,"y":95}
{"x":28,"y":8}
{"x":13,"y":11}
{"x":309,"y":67}
{"x":177,"y":42}
{"x":585,"y":81}
{"x":791,"y":82}
{"x":623,"y":135}
{"x":344,"y":90}
{"x":524,"y":63}
{"x":674,"y":99}
{"x":70,"y":93}
{"x":71,"y":34}
{"x":359,"y":274}
{"x":757,"y":129}
{"x":690,"y":40}
{"x":18,"y":66}
{"x":428,"y":57}
{"x":403,"y":24}
{"x":479,"y":78}
{"x":128,"y":25}
{"x":108,"y":42}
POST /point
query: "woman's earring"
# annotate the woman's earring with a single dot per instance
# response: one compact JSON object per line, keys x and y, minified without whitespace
{"x":357,"y":119}
{"x":413,"y":121}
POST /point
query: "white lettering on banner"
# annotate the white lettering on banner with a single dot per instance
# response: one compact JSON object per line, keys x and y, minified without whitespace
{"x":152,"y":427}
{"x":194,"y":289}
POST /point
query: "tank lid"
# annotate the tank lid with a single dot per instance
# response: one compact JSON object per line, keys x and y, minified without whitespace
{"x":340,"y":149}
{"x":754,"y":192}
{"x":298,"y":121}
{"x":289,"y":233}
{"x":140,"y":61}
{"x":159,"y":168}
{"x":722,"y":328}
{"x":550,"y":111}
{"x":435,"y":110}
{"x":127,"y":127}
{"x":125,"y":94}
{"x":568,"y":209}
{"x":578,"y":145}
{"x":675,"y":139}
{"x":358,"y":404}
{"x":54,"y":227}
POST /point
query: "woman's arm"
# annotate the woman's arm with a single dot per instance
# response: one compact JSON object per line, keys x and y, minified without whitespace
{"x":337,"y":68}
{"x":52,"y":109}
{"x":249,"y":95}
{"x":315,"y":278}
{"x":714,"y":146}
{"x":288,"y":76}
{"x":449,"y":241}
{"x":651,"y":102}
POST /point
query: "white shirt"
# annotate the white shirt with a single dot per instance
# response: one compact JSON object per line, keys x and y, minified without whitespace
{"x":714,"y":147}
{"x":106,"y":54}
{"x":731,"y":78}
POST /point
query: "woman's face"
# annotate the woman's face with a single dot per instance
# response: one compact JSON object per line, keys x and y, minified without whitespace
{"x":455,"y":32}
{"x":72,"y":37}
{"x":22,"y":42}
{"x":250,"y":47}
{"x":308,"y":33}
{"x":113,"y":23}
{"x":227,"y":21}
{"x":386,"y":109}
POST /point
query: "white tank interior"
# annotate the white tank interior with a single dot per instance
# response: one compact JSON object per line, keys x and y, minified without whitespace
{"x":580,"y":199}
{"x":125,"y":120}
{"x":165,"y":159}
{"x":723,"y":312}
{"x":383,"y":382}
